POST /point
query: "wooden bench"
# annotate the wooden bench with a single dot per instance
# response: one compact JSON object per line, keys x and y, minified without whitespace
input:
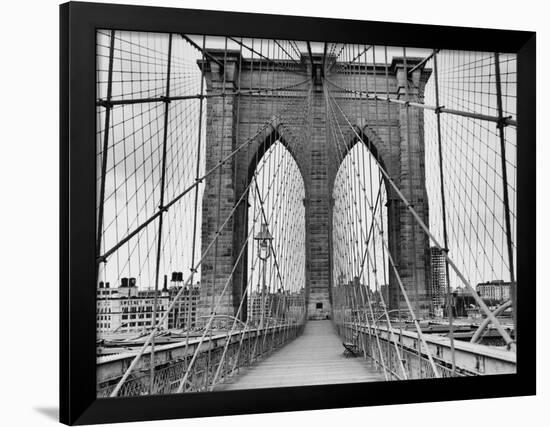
{"x":351,"y":348}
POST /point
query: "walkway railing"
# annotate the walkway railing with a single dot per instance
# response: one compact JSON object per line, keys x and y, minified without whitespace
{"x":437,"y":146}
{"x":391,"y":348}
{"x":165,"y":208}
{"x":221,"y":356}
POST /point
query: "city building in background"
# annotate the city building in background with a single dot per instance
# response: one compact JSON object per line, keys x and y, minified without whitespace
{"x":260,"y":306}
{"x":497,"y":290}
{"x":280,"y":305}
{"x":127,"y":308}
{"x":438,"y":279}
{"x":185,"y":311}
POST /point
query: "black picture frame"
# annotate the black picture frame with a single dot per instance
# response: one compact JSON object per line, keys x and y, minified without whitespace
{"x":78,"y":24}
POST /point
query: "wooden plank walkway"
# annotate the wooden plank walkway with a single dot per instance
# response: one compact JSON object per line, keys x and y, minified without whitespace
{"x":314,"y":358}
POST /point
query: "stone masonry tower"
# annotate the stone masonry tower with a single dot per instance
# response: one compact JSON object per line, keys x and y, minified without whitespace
{"x":392,"y":132}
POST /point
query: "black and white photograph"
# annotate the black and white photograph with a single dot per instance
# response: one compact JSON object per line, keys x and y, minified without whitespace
{"x":279,"y":213}
{"x":243,"y":213}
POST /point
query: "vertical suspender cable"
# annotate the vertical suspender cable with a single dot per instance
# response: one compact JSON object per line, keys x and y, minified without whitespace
{"x":444,"y":215}
{"x":161,"y":209}
{"x":501,"y":125}
{"x":196,"y":198}
{"x":108,"y":108}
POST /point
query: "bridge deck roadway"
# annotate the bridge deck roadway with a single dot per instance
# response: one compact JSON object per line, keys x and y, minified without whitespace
{"x":314,"y":358}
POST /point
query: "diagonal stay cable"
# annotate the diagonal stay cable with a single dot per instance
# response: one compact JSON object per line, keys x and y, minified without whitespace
{"x":106,"y":254}
{"x":265,"y":218}
{"x":261,"y":55}
{"x":403,"y":291}
{"x":248,"y":287}
{"x":219,"y":300}
{"x":390,"y":329}
{"x":463,"y":279}
{"x":178,"y":295}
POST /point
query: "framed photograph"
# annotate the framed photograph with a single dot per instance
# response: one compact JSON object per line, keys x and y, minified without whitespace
{"x":297,"y":212}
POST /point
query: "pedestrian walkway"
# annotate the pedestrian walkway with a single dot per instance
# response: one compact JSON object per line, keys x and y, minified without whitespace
{"x":314,"y":358}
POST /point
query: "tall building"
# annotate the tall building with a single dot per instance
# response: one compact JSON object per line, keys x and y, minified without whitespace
{"x":438,"y":285}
